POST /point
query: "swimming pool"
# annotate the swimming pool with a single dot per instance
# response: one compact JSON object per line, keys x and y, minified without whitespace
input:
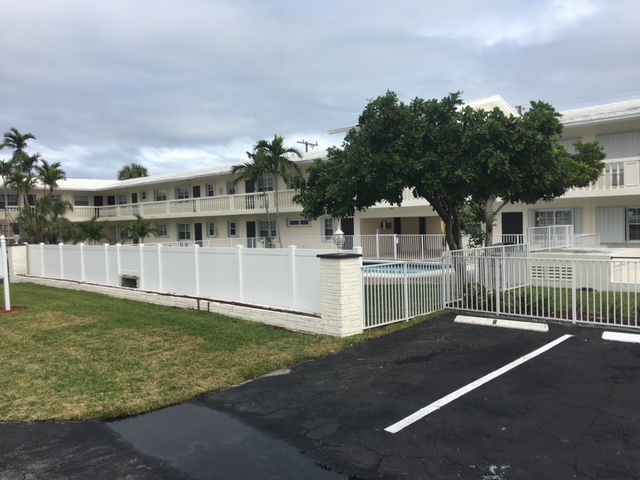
{"x":398,"y":269}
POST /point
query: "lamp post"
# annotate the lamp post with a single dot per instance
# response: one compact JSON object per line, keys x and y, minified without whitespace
{"x":338,"y":238}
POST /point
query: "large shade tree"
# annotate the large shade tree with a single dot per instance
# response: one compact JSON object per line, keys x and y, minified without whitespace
{"x":448,"y":154}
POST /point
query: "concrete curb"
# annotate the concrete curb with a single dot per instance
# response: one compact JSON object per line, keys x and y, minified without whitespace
{"x":621,"y":337}
{"x":495,"y":322}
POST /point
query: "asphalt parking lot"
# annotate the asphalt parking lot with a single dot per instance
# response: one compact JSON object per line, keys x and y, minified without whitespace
{"x":569,"y":412}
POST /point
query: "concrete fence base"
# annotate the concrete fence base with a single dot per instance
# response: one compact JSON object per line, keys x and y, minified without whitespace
{"x":277,"y":318}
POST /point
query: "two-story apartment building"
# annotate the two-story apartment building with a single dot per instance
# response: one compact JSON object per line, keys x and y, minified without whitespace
{"x":206,"y":206}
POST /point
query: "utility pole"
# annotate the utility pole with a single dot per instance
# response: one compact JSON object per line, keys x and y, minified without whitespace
{"x":307,"y":145}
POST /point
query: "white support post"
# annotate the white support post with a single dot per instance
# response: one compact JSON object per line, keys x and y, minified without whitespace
{"x":240,"y":275}
{"x":377,"y":246}
{"x":106,"y":263}
{"x":196,"y":259}
{"x":5,"y":273}
{"x":292,"y":275}
{"x":61,"y":260}
{"x":82,"y":268}
{"x":160,"y":285}
{"x":42,"y":259}
{"x":118,"y":263}
{"x":406,"y":290}
{"x":141,"y":278}
{"x":395,"y":246}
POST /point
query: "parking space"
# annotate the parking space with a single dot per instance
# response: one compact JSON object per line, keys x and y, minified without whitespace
{"x":497,"y":403}
{"x":569,"y":412}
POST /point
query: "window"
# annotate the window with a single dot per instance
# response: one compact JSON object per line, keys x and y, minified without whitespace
{"x":231,"y":188}
{"x":266,"y":184}
{"x":81,"y":200}
{"x":56,"y":198}
{"x":212,"y":229}
{"x":211,"y":189}
{"x":12,"y":200}
{"x":298,"y":222}
{"x":327,"y":229}
{"x":549,"y":218}
{"x":633,"y":224}
{"x":160,"y":195}
{"x":290,"y":180}
{"x":184,"y":231}
{"x":163,"y":229}
{"x":232,"y":228}
{"x":123,"y":231}
{"x":265,"y":231}
{"x":182,"y":193}
{"x":122,"y":199}
{"x":143,"y":196}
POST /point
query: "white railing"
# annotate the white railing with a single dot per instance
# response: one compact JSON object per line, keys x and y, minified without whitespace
{"x":588,"y":240}
{"x":402,"y":247}
{"x":603,"y":292}
{"x":277,"y":278}
{"x":398,"y":291}
{"x":547,"y":238}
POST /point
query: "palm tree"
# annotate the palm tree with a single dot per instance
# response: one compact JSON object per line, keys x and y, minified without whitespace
{"x":278,"y":162}
{"x":141,"y":229}
{"x":134,"y":170}
{"x":255,"y":171}
{"x":46,"y":222}
{"x":22,"y":183}
{"x":15,"y":140}
{"x":50,"y":174}
{"x":91,"y":231}
{"x":6,"y":168}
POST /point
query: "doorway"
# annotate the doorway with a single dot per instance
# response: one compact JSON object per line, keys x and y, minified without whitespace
{"x":512,"y":228}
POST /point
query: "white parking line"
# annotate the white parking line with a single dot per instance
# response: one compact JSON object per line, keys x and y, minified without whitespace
{"x":423,"y":412}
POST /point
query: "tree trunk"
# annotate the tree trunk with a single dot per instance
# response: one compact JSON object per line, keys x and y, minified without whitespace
{"x":277,"y":213}
{"x":488,"y":221}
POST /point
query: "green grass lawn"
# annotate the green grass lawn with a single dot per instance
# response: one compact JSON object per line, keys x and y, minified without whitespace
{"x":73,"y":355}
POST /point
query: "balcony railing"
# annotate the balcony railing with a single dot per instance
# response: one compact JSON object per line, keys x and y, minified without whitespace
{"x":191,"y":207}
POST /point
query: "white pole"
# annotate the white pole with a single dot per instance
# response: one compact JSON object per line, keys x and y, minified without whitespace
{"x":5,"y":273}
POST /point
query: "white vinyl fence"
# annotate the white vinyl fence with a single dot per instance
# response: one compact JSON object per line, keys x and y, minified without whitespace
{"x":281,"y":278}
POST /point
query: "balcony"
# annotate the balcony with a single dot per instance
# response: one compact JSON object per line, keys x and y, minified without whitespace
{"x":192,"y":207}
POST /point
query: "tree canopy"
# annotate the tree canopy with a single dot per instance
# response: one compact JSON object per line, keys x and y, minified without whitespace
{"x":133,"y":170}
{"x":449,"y":154}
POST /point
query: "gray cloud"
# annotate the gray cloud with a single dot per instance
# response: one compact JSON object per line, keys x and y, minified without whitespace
{"x":195,"y":83}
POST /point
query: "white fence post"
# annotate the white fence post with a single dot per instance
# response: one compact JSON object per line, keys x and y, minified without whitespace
{"x":106,"y":263}
{"x":160,"y":286}
{"x":42,"y":259}
{"x":196,"y":250}
{"x":61,"y":260}
{"x":141,"y":277}
{"x":293,"y":276}
{"x":119,"y":263}
{"x":82,"y":268}
{"x":5,"y":273}
{"x":395,"y":246}
{"x":240,"y":275}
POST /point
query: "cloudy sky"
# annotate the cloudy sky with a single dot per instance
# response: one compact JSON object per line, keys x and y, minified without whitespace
{"x":186,"y":84}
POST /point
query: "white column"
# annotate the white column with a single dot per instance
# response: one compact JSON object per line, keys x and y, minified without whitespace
{"x":5,"y":273}
{"x":106,"y":263}
{"x":240,"y":274}
{"x":293,"y":277}
{"x":82,"y":268}
{"x":341,"y":285}
{"x":61,"y":262}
